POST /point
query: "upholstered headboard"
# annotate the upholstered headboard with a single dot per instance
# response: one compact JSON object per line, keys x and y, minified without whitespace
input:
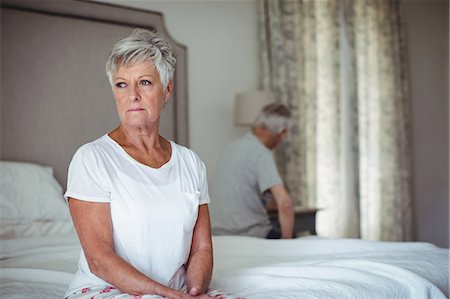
{"x":55,"y":95}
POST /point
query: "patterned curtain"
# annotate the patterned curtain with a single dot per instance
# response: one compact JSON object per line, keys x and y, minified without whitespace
{"x":384,"y":119}
{"x":339,"y":66}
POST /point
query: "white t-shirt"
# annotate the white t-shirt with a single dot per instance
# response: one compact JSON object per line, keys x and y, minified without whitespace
{"x":153,"y":211}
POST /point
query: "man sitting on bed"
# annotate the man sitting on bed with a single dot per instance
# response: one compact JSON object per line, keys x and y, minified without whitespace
{"x":245,"y":172}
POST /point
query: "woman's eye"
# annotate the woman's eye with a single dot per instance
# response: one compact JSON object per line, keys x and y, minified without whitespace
{"x":121,"y":84}
{"x":146,"y":82}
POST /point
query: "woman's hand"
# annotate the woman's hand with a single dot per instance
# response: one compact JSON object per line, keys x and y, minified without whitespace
{"x":194,"y":292}
{"x":205,"y":296}
{"x":202,"y":296}
{"x":197,"y":296}
{"x":210,"y":294}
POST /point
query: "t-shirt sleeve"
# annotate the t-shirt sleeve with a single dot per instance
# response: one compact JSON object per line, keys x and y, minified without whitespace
{"x":267,"y":172}
{"x":203,"y":185}
{"x":85,"y":179}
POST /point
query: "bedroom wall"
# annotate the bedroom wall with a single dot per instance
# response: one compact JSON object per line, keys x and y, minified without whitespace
{"x":428,"y":41}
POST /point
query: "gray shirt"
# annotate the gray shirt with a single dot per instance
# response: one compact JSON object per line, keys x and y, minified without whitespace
{"x":246,"y":169}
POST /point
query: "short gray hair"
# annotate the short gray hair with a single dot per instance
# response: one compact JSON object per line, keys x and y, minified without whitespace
{"x":143,"y":45}
{"x":274,"y":117}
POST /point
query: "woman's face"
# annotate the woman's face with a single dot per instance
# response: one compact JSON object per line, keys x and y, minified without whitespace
{"x":139,"y":93}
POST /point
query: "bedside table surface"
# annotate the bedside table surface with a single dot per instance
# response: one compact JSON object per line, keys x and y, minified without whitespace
{"x":297,"y":211}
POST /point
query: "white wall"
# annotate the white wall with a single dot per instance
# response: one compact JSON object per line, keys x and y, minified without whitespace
{"x":428,"y":40}
{"x":221,"y":38}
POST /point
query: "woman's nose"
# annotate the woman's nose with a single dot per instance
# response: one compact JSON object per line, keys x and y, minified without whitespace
{"x":133,"y":93}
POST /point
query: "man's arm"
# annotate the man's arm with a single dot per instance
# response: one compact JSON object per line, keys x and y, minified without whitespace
{"x":200,"y":264}
{"x":285,"y":206}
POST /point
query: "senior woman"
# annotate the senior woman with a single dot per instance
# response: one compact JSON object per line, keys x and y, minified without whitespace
{"x":139,"y":202}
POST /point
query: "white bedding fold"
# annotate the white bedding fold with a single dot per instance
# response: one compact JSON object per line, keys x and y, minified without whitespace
{"x":325,"y":268}
{"x":330,"y":279}
{"x":33,"y":283}
{"x":28,"y":246}
{"x":36,"y":275}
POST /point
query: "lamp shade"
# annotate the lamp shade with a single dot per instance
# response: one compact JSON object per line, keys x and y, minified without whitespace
{"x":247,"y":105}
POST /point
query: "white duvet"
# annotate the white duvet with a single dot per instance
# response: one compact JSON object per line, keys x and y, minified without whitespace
{"x":309,"y":267}
{"x":325,"y":268}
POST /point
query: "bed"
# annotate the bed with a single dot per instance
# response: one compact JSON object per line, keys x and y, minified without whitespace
{"x":39,"y":253}
{"x":39,"y":249}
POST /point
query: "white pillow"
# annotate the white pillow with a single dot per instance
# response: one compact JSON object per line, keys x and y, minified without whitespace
{"x":29,"y":193}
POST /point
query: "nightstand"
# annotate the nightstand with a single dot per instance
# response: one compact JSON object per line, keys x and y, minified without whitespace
{"x":305,"y":220}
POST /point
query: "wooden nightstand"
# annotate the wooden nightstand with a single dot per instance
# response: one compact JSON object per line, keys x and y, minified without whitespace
{"x":305,"y":220}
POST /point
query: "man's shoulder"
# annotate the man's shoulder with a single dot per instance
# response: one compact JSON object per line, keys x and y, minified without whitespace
{"x":249,"y":143}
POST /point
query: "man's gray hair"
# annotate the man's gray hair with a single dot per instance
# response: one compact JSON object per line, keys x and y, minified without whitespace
{"x":143,"y":45}
{"x":273,"y":117}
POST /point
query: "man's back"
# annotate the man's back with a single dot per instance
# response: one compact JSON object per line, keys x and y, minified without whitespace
{"x":246,"y":169}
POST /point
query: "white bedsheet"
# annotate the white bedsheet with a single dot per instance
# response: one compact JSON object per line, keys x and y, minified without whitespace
{"x":37,"y":267}
{"x":256,"y":268}
{"x":324,"y":268}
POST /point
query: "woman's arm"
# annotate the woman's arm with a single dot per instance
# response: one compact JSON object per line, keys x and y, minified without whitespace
{"x":93,"y":224}
{"x":200,"y":264}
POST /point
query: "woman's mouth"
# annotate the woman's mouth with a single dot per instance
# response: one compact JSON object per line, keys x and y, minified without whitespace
{"x":135,"y":109}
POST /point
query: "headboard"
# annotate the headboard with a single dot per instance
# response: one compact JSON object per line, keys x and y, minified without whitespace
{"x":55,"y":95}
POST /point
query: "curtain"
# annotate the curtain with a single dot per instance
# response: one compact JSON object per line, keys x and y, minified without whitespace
{"x":383,"y":119}
{"x":339,"y":66}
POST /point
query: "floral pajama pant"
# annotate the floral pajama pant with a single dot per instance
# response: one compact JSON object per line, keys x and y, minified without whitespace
{"x":108,"y":292}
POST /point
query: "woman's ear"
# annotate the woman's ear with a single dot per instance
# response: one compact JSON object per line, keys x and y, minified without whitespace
{"x":169,"y":91}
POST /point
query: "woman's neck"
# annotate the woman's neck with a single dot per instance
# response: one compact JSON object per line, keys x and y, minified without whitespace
{"x":141,"y":138}
{"x":146,"y":147}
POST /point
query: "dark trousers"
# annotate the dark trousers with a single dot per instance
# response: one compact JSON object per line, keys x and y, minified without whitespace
{"x":273,"y":234}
